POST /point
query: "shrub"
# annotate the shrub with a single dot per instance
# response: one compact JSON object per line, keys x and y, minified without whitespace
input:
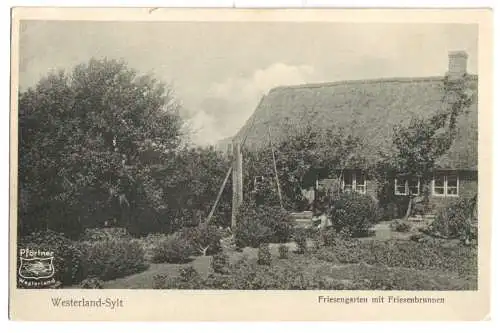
{"x":345,"y":251}
{"x":165,"y":281}
{"x":264,"y":255}
{"x":455,"y":220}
{"x":283,"y":251}
{"x":327,"y":236}
{"x":417,"y":237}
{"x":91,"y":283}
{"x":189,"y":275}
{"x":174,"y":249}
{"x":149,"y":244}
{"x":188,"y":278}
{"x":401,"y":226}
{"x":300,"y":238}
{"x":204,"y":239}
{"x":220,"y":263}
{"x":160,"y":281}
{"x":316,"y":245}
{"x":68,"y":258}
{"x":262,"y":224}
{"x":353,"y":214}
{"x":102,"y":234}
{"x":113,"y":259}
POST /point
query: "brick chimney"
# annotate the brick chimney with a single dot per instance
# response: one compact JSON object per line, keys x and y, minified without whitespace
{"x":457,"y":64}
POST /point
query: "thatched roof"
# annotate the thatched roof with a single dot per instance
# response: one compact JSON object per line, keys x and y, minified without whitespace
{"x":367,"y":108}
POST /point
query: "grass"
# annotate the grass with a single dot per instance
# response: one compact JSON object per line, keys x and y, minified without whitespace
{"x":144,"y":280}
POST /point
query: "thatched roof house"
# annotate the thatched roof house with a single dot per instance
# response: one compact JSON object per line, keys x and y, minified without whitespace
{"x":371,"y":109}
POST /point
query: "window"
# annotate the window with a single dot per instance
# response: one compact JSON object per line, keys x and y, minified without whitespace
{"x":258,"y":183}
{"x":414,"y":186}
{"x":347,"y":185}
{"x":452,"y":184}
{"x":445,"y":185}
{"x":406,"y":186}
{"x":400,"y":187}
{"x":354,"y":181}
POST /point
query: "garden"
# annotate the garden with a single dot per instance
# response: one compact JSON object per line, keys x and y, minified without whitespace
{"x":269,"y":253}
{"x":109,"y":182}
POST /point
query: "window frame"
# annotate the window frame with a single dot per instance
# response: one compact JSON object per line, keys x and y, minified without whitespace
{"x":445,"y":185}
{"x":354,"y":185}
{"x":407,"y":186}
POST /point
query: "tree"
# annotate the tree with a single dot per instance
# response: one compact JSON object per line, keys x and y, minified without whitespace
{"x":304,"y":150}
{"x":190,"y":184}
{"x":419,"y":144}
{"x":89,"y":142}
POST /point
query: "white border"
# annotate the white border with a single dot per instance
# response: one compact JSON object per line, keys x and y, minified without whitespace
{"x":243,"y":327}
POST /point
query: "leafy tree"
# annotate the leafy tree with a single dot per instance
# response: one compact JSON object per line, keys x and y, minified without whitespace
{"x":190,"y":183}
{"x":419,"y":144}
{"x":89,"y":143}
{"x":299,"y":157}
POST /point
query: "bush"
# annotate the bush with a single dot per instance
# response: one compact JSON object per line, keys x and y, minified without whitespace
{"x":345,"y":251}
{"x":204,"y":239}
{"x":401,"y":226}
{"x":300,"y":238}
{"x":189,"y":275}
{"x":165,"y":281}
{"x":353,"y":214}
{"x":264,"y":255}
{"x":149,"y":244}
{"x":174,"y":249}
{"x":113,"y":259}
{"x":455,"y":220}
{"x":68,"y":258}
{"x":262,"y":224}
{"x":91,"y":283}
{"x":283,"y":251}
{"x":188,"y":278}
{"x":220,"y":263}
{"x":160,"y":281}
{"x":327,"y":236}
{"x":102,"y":234}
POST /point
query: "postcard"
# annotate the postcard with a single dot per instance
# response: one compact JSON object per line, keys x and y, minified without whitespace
{"x":250,"y":164}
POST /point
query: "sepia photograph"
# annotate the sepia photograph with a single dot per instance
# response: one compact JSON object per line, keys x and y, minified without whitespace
{"x":272,"y":155}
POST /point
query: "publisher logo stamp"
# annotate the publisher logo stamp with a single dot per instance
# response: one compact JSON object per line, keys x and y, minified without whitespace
{"x":36,"y":268}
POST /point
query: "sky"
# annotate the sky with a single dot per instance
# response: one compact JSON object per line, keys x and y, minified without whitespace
{"x":220,"y":70}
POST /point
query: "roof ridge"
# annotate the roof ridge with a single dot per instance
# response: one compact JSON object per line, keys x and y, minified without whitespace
{"x":366,"y":81}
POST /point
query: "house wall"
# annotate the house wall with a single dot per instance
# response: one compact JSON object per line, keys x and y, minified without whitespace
{"x":467,"y":189}
{"x":395,"y":206}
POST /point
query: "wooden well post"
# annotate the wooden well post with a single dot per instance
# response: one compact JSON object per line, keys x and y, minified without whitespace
{"x":237,"y":181}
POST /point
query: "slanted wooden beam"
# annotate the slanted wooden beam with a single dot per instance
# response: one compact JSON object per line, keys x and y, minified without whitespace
{"x":275,"y":168}
{"x":219,"y":195}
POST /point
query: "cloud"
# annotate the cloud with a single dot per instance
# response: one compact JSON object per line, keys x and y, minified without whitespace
{"x":261,"y":81}
{"x":203,"y":129}
{"x":228,"y":104}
